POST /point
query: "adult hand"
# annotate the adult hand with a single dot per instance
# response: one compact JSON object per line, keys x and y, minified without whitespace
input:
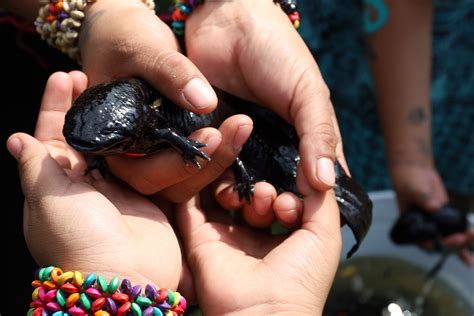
{"x":239,"y":270}
{"x":144,"y":46}
{"x":251,"y":49}
{"x":87,"y":223}
{"x":420,"y":184}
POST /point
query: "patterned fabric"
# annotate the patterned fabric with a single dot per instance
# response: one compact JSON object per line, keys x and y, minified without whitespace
{"x":334,"y":31}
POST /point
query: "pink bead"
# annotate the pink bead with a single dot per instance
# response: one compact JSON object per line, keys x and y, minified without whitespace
{"x":41,"y":293}
{"x":94,"y":293}
{"x":76,"y":311}
{"x":54,"y":307}
{"x":49,"y":296}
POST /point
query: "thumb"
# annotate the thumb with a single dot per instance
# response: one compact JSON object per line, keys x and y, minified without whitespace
{"x":176,"y":77}
{"x":40,"y":174}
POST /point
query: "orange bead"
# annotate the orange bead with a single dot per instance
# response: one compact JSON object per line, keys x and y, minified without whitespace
{"x":49,"y":285}
{"x":36,"y":283}
{"x":55,"y":273}
{"x":72,"y":299}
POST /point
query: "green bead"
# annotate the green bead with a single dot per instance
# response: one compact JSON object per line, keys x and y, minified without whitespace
{"x":143,"y":301}
{"x":157,"y":312}
{"x":47,"y":272}
{"x":102,"y":283}
{"x":170,"y":297}
{"x":60,"y":298}
{"x":85,"y":301}
{"x":113,"y":285}
{"x":58,"y":313}
{"x":30,"y":311}
{"x":136,"y":310}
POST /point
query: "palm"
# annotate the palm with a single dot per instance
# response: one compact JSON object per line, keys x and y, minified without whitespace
{"x":227,"y":259}
{"x":109,"y":226}
{"x":249,"y":56}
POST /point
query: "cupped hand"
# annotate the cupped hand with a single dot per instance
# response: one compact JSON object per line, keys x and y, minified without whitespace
{"x":87,"y":223}
{"x":240,"y":270}
{"x":420,"y":184}
{"x":251,"y":49}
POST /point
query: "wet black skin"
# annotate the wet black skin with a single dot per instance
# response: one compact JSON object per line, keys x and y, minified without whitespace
{"x":119,"y":117}
{"x":416,"y":225}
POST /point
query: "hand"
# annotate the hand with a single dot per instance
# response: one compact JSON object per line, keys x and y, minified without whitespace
{"x":251,"y":49}
{"x":238,"y":270}
{"x":144,"y":46}
{"x":82,"y":222}
{"x":420,"y":184}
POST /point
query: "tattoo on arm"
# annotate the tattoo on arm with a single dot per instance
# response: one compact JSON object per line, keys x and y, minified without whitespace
{"x":417,"y":115}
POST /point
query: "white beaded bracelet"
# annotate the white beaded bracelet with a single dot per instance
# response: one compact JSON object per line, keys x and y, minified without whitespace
{"x":59,"y":23}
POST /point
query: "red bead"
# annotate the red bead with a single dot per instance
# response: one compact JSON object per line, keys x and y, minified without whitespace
{"x":294,"y":16}
{"x":69,"y":288}
{"x":124,"y":308}
{"x":36,"y":304}
{"x":162,"y":295}
{"x":97,"y":304}
{"x":120,"y":297}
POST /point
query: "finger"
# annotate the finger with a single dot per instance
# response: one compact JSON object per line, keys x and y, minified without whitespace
{"x":235,"y":131}
{"x":189,"y":218}
{"x":288,"y":210}
{"x":153,"y":173}
{"x":56,"y":102}
{"x":79,"y":82}
{"x":465,"y":257}
{"x":321,"y":212}
{"x":260,"y":213}
{"x":40,"y":174}
{"x":460,"y":240}
{"x":317,"y":148}
{"x":339,"y":145}
{"x":225,"y":194}
{"x":172,"y":73}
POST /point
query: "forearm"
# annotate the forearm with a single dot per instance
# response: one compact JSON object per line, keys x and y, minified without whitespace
{"x":27,"y":9}
{"x":402,"y":72}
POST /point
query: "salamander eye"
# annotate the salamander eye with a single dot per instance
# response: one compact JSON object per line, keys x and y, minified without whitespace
{"x":156,"y":104}
{"x":110,"y":127}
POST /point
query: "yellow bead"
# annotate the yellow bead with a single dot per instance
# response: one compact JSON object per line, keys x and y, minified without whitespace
{"x":66,"y":276}
{"x":78,"y":278}
{"x":34,"y":295}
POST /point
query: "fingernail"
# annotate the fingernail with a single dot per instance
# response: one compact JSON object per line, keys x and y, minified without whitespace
{"x":325,"y":171}
{"x":262,"y":204}
{"x":199,"y":94}
{"x":241,"y":136}
{"x":15,"y":146}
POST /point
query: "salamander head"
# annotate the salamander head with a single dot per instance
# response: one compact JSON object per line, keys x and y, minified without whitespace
{"x":103,"y":120}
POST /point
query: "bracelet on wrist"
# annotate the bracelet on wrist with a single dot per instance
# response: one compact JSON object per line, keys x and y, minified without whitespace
{"x":59,"y":23}
{"x":59,"y":293}
{"x":183,"y":8}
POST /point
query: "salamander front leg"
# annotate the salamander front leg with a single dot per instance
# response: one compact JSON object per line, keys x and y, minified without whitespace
{"x":244,"y":182}
{"x":188,"y":148}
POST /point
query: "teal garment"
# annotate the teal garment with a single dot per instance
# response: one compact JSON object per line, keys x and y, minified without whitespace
{"x":334,"y":31}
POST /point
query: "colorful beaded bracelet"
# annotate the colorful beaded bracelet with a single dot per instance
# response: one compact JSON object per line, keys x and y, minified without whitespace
{"x":59,"y":23}
{"x":291,"y":9}
{"x":59,"y":293}
{"x":183,"y":8}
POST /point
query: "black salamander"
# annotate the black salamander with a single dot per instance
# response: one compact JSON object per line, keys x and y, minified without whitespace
{"x":128,"y":116}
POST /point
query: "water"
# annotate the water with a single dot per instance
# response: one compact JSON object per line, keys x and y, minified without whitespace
{"x":387,"y":286}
